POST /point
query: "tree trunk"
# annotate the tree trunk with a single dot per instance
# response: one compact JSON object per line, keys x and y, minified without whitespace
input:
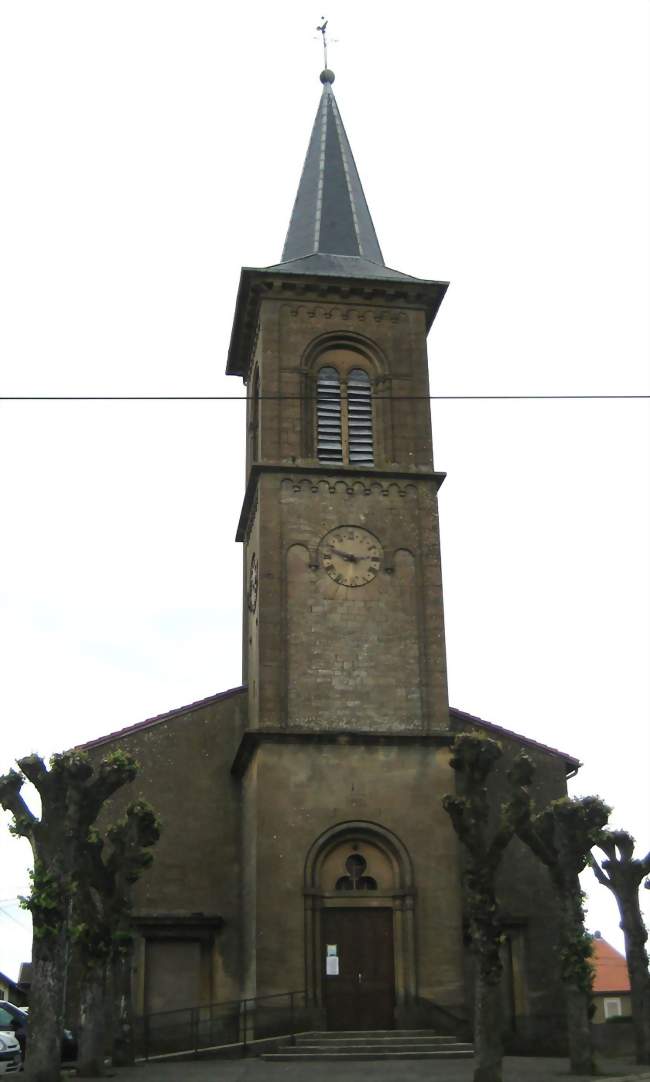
{"x":43,"y":1054}
{"x":123,"y":1043}
{"x":637,"y":966}
{"x":579,"y":1031}
{"x":92,"y":1031}
{"x":488,"y":1043}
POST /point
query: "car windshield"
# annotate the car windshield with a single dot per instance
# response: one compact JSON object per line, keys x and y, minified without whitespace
{"x":6,"y":1019}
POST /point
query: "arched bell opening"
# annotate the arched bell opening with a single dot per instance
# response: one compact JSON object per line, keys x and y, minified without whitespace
{"x":344,"y":418}
{"x":359,"y":926}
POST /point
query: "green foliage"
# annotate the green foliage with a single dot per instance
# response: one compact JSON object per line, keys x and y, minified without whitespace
{"x":577,"y":947}
{"x":75,"y":888}
{"x":109,"y":872}
{"x":92,"y":940}
{"x":122,"y":942}
{"x":122,"y":761}
{"x":20,"y":826}
{"x":47,"y":902}
{"x":562,"y":836}
{"x":473,"y":758}
{"x":75,"y":765}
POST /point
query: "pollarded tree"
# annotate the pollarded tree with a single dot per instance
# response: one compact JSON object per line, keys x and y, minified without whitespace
{"x":72,"y":794}
{"x":473,"y":758}
{"x":91,"y":940}
{"x":622,"y":873}
{"x":562,"y":836}
{"x":103,"y":933}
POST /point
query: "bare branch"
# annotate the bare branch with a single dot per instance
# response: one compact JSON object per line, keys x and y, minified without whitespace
{"x":34,"y":769}
{"x":114,"y":772}
{"x":12,"y":801}
{"x":598,"y":871}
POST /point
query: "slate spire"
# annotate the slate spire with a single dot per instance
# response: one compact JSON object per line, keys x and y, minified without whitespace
{"x":330,"y":216}
{"x":330,"y":234}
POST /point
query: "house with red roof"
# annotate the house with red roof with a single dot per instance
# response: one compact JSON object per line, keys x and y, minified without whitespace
{"x":611,"y":982}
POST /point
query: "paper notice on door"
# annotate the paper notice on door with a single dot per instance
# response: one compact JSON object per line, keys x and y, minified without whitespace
{"x":332,"y":950}
{"x":332,"y":966}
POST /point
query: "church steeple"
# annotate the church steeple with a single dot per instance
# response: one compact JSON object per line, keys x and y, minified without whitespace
{"x":331,"y":237}
{"x":330,"y":215}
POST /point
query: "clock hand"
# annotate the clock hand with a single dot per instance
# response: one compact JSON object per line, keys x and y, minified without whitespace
{"x":346,"y":555}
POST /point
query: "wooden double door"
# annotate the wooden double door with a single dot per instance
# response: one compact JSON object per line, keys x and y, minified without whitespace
{"x":362,"y":994}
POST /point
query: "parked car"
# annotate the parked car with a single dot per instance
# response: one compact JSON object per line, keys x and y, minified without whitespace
{"x":15,"y":1020}
{"x":11,"y":1059}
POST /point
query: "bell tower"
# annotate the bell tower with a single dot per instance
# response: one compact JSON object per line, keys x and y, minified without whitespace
{"x":343,"y":623}
{"x":348,"y":735}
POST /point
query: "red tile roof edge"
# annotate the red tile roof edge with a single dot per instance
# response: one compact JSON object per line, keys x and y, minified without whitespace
{"x":220,"y":696}
{"x":610,"y":969}
{"x":159,"y":718}
{"x":501,"y":730}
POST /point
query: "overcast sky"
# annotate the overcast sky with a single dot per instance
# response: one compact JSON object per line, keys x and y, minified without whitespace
{"x":152,"y":149}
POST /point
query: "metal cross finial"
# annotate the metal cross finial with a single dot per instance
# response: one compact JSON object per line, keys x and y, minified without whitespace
{"x":323,"y":30}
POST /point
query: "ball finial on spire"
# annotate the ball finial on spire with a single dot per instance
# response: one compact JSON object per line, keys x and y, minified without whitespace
{"x":327,"y":76}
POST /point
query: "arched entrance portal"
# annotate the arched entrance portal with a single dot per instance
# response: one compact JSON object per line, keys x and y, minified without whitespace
{"x":359,"y":939}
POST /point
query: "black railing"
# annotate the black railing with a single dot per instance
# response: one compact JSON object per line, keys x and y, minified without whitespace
{"x":236,"y":1024}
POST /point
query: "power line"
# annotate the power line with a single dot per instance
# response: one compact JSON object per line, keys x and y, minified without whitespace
{"x":312,"y":398}
{"x":6,"y":913}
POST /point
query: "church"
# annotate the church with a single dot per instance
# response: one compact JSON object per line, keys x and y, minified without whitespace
{"x":304,"y":844}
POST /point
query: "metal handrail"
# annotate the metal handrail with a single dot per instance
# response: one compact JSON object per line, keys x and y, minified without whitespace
{"x":221,"y":1003}
{"x":241,"y":1009}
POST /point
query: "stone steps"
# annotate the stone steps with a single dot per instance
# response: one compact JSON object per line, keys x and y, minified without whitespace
{"x":371,"y":1045}
{"x":370,"y":1034}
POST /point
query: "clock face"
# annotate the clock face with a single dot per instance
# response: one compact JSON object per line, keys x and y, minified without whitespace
{"x":253,"y":584}
{"x":351,"y":555}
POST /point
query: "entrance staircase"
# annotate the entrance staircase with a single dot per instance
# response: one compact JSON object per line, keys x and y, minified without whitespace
{"x":377,"y":1044}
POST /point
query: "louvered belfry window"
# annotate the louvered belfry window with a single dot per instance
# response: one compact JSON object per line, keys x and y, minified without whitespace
{"x":328,"y":407}
{"x":359,"y":418}
{"x":344,"y":417}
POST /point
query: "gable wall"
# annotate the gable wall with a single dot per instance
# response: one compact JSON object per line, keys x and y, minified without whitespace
{"x":185,"y":774}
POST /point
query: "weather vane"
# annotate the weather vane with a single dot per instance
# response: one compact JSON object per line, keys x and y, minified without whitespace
{"x":323,"y":30}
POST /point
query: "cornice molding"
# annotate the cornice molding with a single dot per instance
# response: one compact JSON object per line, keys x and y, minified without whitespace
{"x":254,"y":738}
{"x":256,"y":283}
{"x":351,"y":475}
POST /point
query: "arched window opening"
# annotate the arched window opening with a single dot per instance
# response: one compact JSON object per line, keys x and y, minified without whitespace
{"x":328,"y":410}
{"x":355,"y":866}
{"x":360,"y":418}
{"x":344,"y":429}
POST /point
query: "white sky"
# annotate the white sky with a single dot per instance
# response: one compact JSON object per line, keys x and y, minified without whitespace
{"x":151,"y":149}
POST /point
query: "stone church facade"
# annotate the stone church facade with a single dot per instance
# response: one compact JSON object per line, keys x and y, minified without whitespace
{"x":302,"y":811}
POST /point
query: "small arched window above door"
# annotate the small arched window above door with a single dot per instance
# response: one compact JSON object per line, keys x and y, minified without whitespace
{"x":356,"y":878}
{"x":344,"y":428}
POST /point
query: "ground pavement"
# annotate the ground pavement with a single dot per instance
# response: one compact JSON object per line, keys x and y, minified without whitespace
{"x":516,"y":1069}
